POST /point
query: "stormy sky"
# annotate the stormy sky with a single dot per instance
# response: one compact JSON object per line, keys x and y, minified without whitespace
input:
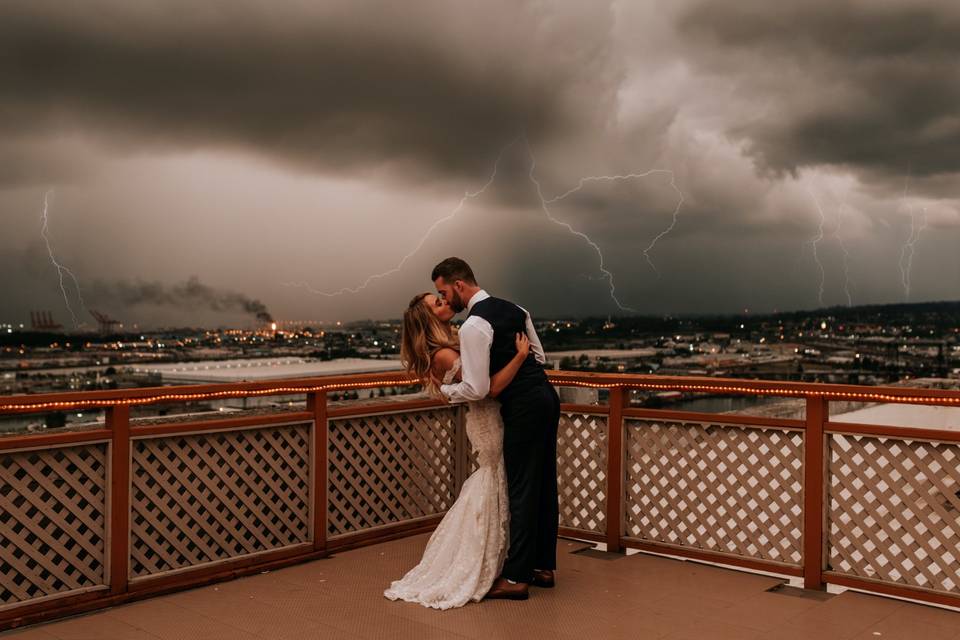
{"x":207,"y":161}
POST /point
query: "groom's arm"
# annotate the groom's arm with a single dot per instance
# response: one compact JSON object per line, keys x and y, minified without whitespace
{"x":476,"y":336}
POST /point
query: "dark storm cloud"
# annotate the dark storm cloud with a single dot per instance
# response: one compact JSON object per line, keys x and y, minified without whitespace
{"x":259,"y":143}
{"x":872,"y":86}
{"x":436,"y":85}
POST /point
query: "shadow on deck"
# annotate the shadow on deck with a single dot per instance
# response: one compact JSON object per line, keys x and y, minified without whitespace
{"x":598,"y":596}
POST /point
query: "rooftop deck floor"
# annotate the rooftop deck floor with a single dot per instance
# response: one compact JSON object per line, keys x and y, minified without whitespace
{"x":636,"y":596}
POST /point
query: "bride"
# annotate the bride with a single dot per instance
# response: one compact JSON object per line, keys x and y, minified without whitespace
{"x":467,"y":550}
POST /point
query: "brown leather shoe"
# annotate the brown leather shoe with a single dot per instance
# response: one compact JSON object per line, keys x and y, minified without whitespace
{"x":502,"y":589}
{"x":544,"y":578}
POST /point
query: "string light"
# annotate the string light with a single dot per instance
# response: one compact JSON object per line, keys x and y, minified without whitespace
{"x":708,"y":388}
{"x":209,"y":395}
{"x":560,"y":381}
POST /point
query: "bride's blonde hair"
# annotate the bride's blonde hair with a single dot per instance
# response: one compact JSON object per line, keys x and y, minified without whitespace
{"x":423,"y":335}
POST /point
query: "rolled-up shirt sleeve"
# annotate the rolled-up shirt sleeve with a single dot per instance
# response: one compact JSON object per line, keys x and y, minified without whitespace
{"x":476,"y":336}
{"x":535,"y":347}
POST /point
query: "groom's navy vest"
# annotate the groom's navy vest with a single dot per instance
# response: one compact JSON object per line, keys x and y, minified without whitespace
{"x":507,"y":320}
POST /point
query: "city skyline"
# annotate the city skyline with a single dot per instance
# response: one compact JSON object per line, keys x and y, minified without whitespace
{"x":200,"y":159}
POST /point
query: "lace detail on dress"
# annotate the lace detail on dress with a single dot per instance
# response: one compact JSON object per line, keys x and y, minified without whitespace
{"x":466,"y":552}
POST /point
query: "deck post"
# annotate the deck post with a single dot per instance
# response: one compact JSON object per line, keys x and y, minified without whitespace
{"x":118,"y":421}
{"x":814,"y":488}
{"x":317,"y":405}
{"x":615,"y":452}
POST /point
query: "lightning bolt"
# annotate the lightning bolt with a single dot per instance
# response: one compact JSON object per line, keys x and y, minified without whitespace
{"x":909,"y":249}
{"x":61,"y":270}
{"x":846,"y":257}
{"x":469,"y":195}
{"x":815,"y":242}
{"x":629,"y":176}
{"x":544,"y":204}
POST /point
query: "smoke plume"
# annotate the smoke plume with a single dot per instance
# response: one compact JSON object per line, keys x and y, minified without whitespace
{"x":189,"y":295}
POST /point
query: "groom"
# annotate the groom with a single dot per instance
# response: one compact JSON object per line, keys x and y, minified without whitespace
{"x":531,"y":414}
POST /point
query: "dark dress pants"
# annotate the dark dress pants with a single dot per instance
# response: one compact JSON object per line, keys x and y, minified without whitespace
{"x":530,"y":421}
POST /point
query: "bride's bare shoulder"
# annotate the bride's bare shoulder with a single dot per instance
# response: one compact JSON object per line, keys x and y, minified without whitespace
{"x":444,"y":359}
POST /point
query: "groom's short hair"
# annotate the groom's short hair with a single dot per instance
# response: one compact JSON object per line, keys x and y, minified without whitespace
{"x":453,"y":269}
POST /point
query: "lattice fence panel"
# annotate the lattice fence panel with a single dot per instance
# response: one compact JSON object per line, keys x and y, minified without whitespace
{"x":385,"y":469}
{"x":735,"y":490}
{"x":582,"y":471}
{"x":894,"y":511}
{"x":212,"y":496}
{"x":52,"y":522}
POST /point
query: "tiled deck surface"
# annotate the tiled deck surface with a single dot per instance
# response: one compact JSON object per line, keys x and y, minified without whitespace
{"x":637,"y":596}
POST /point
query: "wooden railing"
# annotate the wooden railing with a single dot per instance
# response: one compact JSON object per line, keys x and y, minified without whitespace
{"x":91,"y":518}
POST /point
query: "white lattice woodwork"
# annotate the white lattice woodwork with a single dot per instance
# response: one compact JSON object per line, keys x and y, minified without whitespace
{"x":582,"y":471}
{"x":201,"y":498}
{"x":894,"y":513}
{"x":52,"y":522}
{"x":389,"y":468}
{"x":729,"y":489}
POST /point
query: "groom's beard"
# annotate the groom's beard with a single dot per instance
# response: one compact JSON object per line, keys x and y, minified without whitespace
{"x":456,"y":302}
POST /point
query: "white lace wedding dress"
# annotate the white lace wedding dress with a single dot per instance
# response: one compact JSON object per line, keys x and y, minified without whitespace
{"x":466,"y":552}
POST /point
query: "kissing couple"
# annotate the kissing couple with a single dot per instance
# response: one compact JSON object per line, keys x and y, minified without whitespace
{"x":500,"y":536}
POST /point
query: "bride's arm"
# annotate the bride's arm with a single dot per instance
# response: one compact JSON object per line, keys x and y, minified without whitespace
{"x":443,"y":361}
{"x":500,"y":380}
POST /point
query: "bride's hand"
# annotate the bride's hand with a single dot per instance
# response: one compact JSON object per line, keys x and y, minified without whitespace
{"x":523,"y":344}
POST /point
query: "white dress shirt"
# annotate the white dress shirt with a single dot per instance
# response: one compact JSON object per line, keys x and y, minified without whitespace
{"x":476,"y":336}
